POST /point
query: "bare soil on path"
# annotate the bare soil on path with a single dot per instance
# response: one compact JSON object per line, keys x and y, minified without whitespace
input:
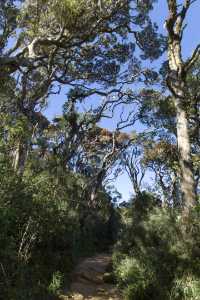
{"x":88,"y":280}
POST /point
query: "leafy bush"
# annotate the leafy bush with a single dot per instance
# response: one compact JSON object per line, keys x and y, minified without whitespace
{"x":186,"y":288}
{"x":41,"y":232}
{"x":157,"y":247}
{"x":56,"y":283}
{"x":135,"y":277}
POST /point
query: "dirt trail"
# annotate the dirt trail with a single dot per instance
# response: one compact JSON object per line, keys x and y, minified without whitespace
{"x":88,"y":281}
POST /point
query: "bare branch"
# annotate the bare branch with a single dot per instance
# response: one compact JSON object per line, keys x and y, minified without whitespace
{"x":191,"y":61}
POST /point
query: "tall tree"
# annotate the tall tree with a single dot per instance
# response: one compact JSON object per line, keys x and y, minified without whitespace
{"x":177,"y":83}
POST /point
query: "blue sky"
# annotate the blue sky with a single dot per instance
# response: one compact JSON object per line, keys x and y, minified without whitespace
{"x":191,"y":39}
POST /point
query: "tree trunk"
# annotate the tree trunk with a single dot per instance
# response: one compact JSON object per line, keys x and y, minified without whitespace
{"x":177,"y":84}
{"x":185,"y":160}
{"x":19,"y":158}
{"x":136,"y":188}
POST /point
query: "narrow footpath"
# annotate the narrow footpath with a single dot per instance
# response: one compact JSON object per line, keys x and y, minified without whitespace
{"x":89,"y":280}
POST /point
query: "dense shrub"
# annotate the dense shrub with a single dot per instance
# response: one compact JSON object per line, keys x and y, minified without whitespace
{"x":186,"y":288}
{"x":42,"y":234}
{"x":157,"y":256}
{"x":135,"y":277}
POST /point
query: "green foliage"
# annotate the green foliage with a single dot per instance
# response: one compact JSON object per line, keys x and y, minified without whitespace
{"x":56,"y":283}
{"x":186,"y":288}
{"x":40,"y":219}
{"x":157,"y":256}
{"x":135,"y":277}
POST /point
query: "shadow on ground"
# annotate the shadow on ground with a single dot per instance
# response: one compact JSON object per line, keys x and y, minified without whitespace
{"x":88,"y":281}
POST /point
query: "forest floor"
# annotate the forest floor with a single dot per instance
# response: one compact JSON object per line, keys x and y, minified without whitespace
{"x":88,"y":280}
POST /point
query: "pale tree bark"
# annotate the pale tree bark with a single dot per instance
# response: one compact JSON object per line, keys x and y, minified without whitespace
{"x":20,"y":157}
{"x":132,"y":164}
{"x":16,"y":154}
{"x":177,"y":83}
